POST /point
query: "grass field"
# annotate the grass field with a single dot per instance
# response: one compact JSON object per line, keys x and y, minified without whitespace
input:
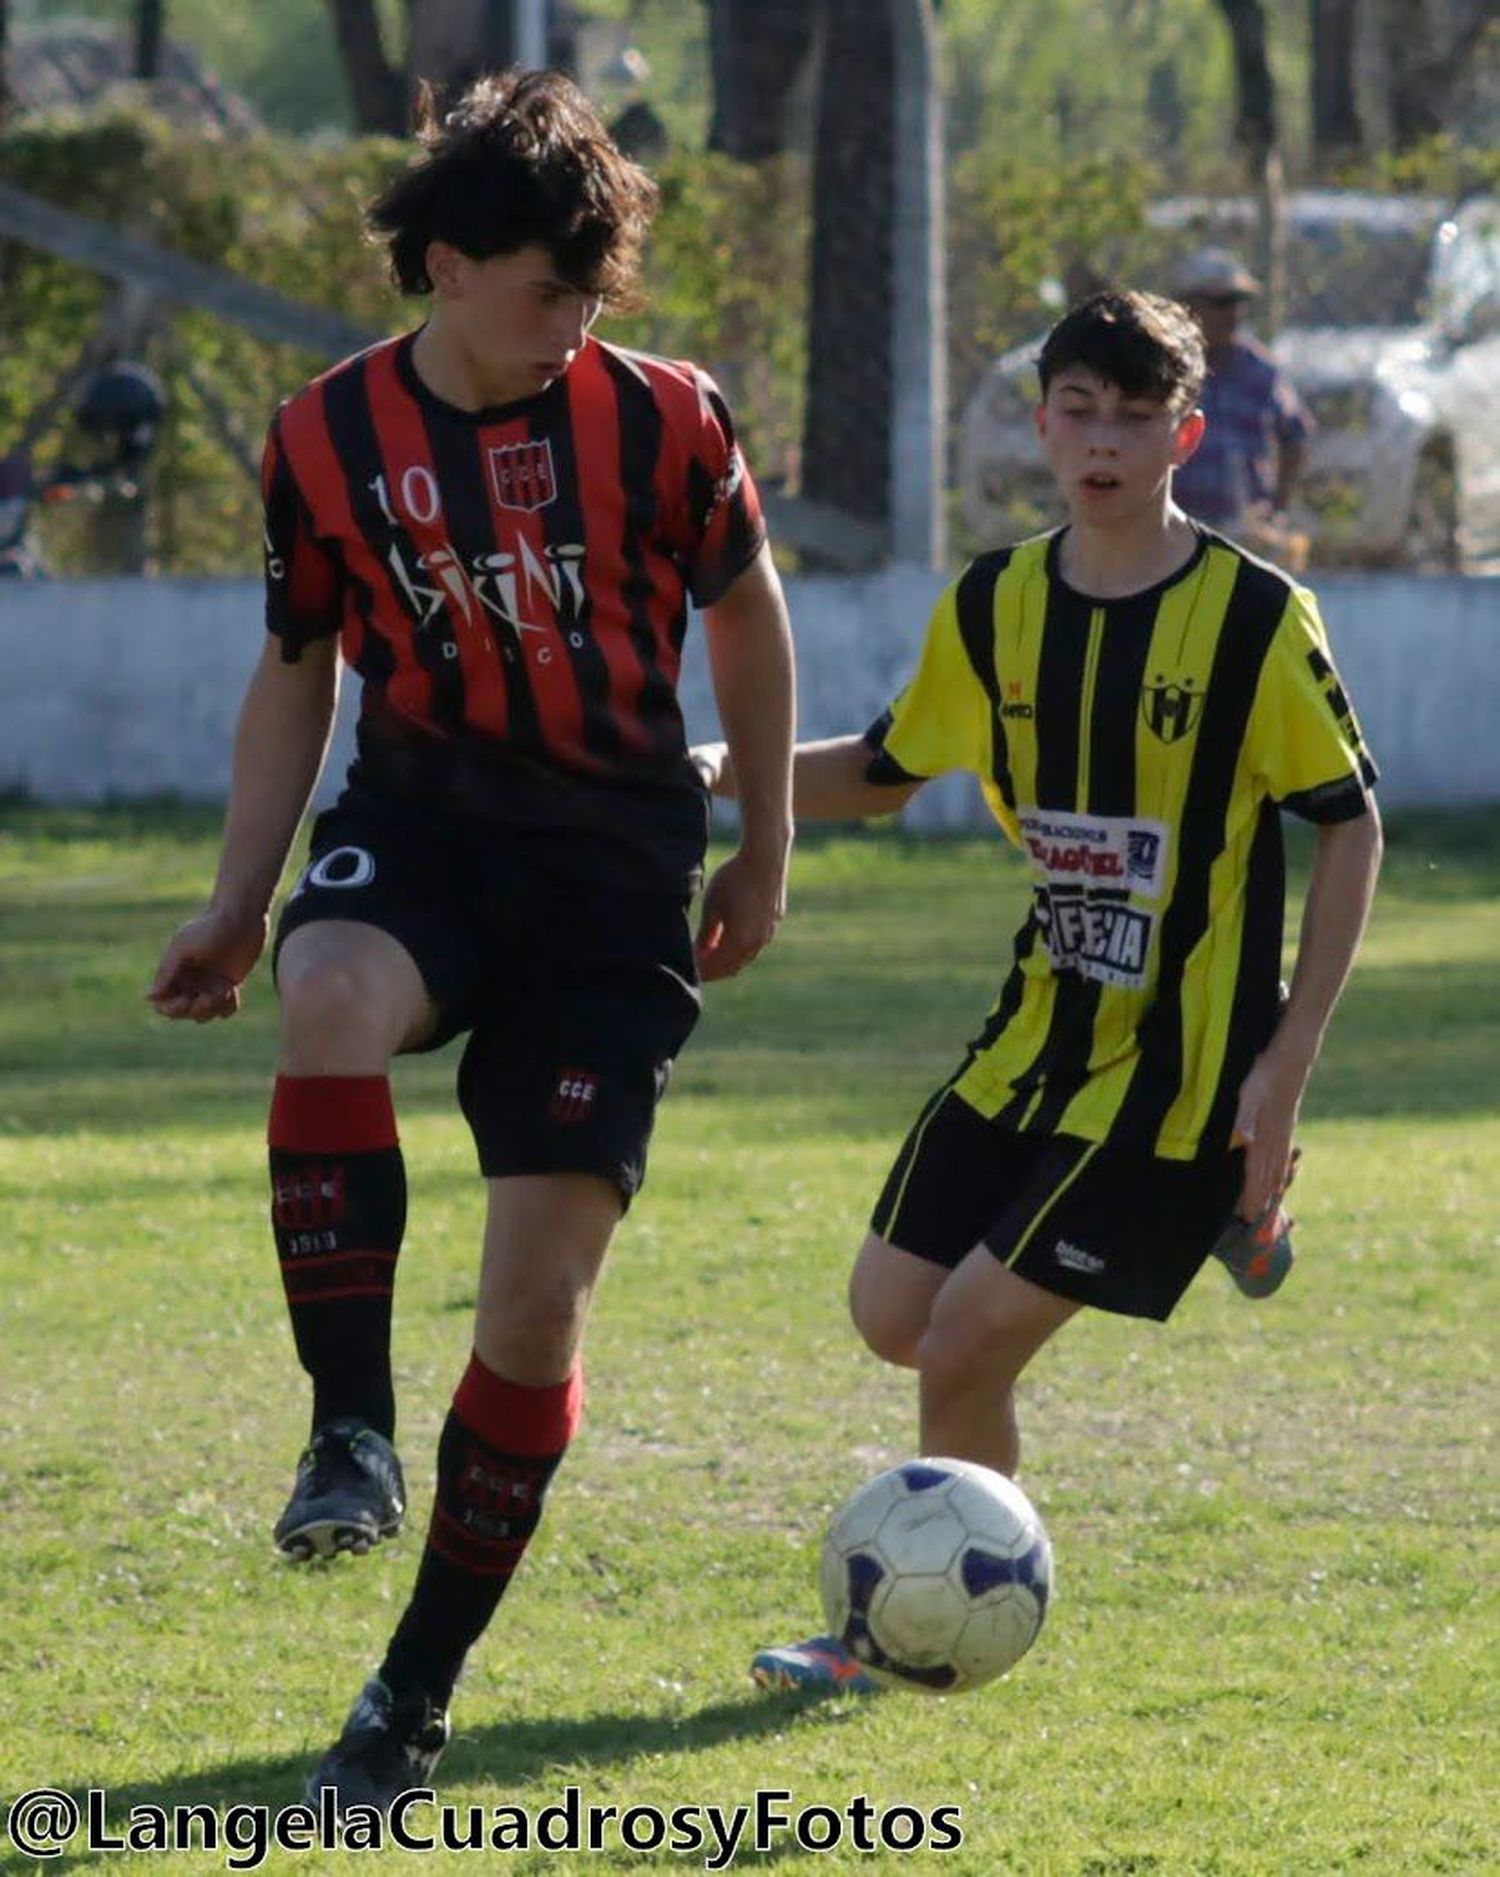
{"x":1273,"y":1647}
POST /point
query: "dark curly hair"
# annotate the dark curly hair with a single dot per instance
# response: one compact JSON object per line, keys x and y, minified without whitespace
{"x":1148,"y":346}
{"x":521,"y":160}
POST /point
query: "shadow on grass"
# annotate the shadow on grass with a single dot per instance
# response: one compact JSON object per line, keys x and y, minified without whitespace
{"x":504,"y":1755}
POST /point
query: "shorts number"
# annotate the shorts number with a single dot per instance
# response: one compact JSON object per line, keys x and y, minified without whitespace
{"x":341,"y":866}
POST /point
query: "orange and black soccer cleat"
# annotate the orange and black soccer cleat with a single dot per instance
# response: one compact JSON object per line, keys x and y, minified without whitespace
{"x":1258,"y":1252}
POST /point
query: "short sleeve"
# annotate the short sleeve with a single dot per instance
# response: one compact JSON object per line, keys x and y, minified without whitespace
{"x":1305,"y":740}
{"x":725,"y":524}
{"x":942,"y":720}
{"x":302,"y":578}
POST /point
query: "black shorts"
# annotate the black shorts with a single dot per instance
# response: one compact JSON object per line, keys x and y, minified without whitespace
{"x":576,"y":994}
{"x":1104,"y":1225}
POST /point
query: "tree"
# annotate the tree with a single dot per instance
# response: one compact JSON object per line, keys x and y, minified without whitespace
{"x":150,"y":23}
{"x":1336,"y":128}
{"x":756,"y":54}
{"x":1256,"y":131}
{"x":1427,"y":58}
{"x":449,"y":43}
{"x":846,"y":451}
{"x":376,"y":86}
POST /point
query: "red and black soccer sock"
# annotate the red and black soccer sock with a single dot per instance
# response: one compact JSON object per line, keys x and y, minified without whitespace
{"x":500,"y":1446}
{"x":338,"y":1210}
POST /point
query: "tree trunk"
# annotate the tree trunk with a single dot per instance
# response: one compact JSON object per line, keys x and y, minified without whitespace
{"x":1425,"y":66}
{"x":1257,"y":134}
{"x":846,"y":451}
{"x":149,"y":20}
{"x":376,"y":86}
{"x":757,"y":52}
{"x":453,"y":42}
{"x":1336,"y":130}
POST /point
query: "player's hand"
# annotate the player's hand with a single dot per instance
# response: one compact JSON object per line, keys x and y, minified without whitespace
{"x":743,"y":903}
{"x":711,"y":760}
{"x":1264,"y":1123}
{"x":205,"y":964}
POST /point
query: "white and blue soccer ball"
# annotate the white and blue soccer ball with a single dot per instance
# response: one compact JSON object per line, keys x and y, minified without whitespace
{"x":936,"y":1575}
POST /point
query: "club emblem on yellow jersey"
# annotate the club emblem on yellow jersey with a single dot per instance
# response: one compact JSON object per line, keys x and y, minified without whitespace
{"x":1171,"y":708}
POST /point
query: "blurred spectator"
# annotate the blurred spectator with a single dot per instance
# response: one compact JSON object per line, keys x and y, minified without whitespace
{"x":1244,"y":471}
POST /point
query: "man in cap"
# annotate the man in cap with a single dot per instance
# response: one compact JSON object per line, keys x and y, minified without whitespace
{"x":1244,"y":471}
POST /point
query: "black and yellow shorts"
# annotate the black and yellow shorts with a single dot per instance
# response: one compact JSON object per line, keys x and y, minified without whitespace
{"x":1108,"y":1226}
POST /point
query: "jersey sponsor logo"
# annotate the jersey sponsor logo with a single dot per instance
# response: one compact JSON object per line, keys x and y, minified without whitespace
{"x":512,"y":589}
{"x":1113,"y":850}
{"x":1015,"y":705}
{"x":1107,"y":940}
{"x":1171,"y":707}
{"x":574,"y":1097}
{"x":1075,"y":1258}
{"x":521,"y":475}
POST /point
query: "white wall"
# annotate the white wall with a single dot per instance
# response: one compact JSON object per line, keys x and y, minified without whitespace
{"x":129,"y":688}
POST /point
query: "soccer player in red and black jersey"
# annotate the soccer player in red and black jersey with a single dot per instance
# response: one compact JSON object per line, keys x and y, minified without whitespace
{"x":499,"y":521}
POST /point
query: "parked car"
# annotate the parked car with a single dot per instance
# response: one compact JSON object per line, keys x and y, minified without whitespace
{"x":1392,"y":337}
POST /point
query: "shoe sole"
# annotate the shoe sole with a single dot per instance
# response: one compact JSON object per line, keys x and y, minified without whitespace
{"x":326,"y":1538}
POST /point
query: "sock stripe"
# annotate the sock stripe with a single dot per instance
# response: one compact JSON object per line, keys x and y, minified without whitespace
{"x":339,"y":1258}
{"x":527,"y":1422}
{"x":332,"y":1114}
{"x":484,"y":1557}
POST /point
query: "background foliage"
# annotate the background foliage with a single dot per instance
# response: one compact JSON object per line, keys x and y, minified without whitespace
{"x":1053,"y":159}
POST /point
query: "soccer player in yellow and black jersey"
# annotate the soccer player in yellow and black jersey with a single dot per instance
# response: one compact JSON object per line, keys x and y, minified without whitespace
{"x":1139,"y":699}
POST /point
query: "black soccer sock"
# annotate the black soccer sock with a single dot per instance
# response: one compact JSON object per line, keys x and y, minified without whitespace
{"x":500,"y":1446}
{"x":338,"y":1210}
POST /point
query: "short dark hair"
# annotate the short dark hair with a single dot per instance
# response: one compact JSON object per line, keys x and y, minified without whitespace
{"x":521,"y":160}
{"x":1148,"y":346}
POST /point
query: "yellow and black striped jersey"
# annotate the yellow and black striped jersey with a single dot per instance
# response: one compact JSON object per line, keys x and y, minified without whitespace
{"x":1136,"y":751}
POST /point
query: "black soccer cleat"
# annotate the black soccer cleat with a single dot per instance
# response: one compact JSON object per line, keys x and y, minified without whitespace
{"x":348,"y":1496}
{"x":389,"y":1745}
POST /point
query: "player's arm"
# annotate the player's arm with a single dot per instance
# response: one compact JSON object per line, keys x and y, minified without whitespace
{"x":751,"y":663}
{"x":282,"y":737}
{"x":830,"y":780}
{"x":1291,"y":453}
{"x":1345,"y":866}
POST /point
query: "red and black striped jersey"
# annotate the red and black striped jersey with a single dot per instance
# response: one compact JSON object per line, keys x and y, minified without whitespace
{"x":512,"y":584}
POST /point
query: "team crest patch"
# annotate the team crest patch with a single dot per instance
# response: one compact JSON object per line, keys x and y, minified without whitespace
{"x":1171,"y":710}
{"x":573,"y":1098}
{"x":521,"y":475}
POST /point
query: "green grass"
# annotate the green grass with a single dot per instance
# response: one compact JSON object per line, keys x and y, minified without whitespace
{"x":1273,"y":1644}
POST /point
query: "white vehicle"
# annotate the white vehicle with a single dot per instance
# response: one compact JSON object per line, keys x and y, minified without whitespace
{"x":1392,"y":338}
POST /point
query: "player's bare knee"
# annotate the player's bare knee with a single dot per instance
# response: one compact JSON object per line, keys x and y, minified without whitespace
{"x":331,"y":1009}
{"x":890,"y":1299}
{"x":529,"y":1331}
{"x":887,"y":1328}
{"x":959,"y":1349}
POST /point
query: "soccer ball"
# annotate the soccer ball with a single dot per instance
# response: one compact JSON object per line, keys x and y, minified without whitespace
{"x":936,"y":1575}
